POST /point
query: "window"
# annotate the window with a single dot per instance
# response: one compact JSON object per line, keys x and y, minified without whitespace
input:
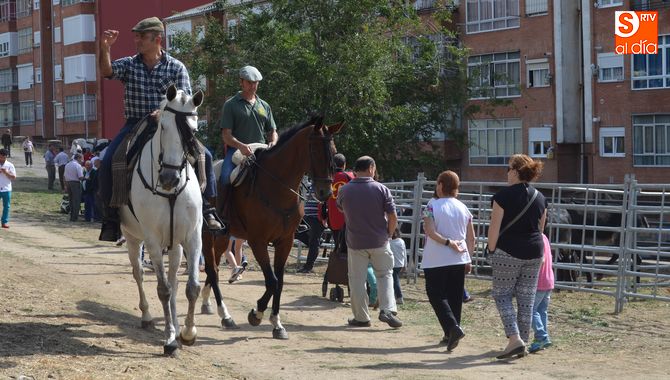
{"x":25,"y":40}
{"x":538,"y":72}
{"x":494,"y":75}
{"x":38,"y":111}
{"x":25,"y":74}
{"x":424,"y":4}
{"x":36,"y":4}
{"x":611,"y":142}
{"x":6,"y":114}
{"x":79,"y":68}
{"x":175,"y":29}
{"x":37,"y":37}
{"x":4,"y":48}
{"x":536,"y":7}
{"x":58,"y":72}
{"x":486,"y":15}
{"x":23,"y":8}
{"x":57,"y":34}
{"x":27,"y":112}
{"x":78,"y":28}
{"x":494,"y":141}
{"x":7,"y":10}
{"x":539,"y":141}
{"x":74,"y":107}
{"x":55,"y":2}
{"x":649,"y":70}
{"x":72,"y":2}
{"x":610,"y":67}
{"x":232,"y":28}
{"x":38,"y":75}
{"x":651,"y":140}
{"x":609,"y":3}
{"x":8,"y":80}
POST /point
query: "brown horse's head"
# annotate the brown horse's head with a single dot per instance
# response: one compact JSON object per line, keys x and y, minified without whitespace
{"x":321,"y":152}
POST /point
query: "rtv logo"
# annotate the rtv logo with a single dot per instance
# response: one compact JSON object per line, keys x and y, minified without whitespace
{"x":636,"y":32}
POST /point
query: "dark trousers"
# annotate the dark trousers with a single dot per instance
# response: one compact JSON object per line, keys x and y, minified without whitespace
{"x":51,"y":174}
{"x":89,"y":207}
{"x":444,"y":287}
{"x":105,"y":170}
{"x":29,"y":158}
{"x":9,"y":149}
{"x":74,"y":194}
{"x":312,"y":239}
{"x":397,"y":292}
{"x":61,"y":176}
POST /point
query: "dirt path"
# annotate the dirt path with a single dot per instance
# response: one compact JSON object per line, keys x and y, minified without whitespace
{"x":68,"y":308}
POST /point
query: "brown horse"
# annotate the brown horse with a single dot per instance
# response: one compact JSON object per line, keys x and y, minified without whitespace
{"x":266,"y":209}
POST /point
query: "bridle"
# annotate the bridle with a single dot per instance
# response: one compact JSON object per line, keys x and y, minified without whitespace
{"x":180,"y":117}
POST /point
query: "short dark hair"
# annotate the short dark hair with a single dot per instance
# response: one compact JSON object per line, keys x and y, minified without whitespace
{"x":3,"y":152}
{"x":364,"y":163}
{"x":339,"y":160}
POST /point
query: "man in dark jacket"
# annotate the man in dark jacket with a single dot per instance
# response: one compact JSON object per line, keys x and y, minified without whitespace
{"x":7,"y":142}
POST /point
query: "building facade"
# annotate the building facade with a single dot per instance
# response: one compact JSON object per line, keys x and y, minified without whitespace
{"x":591,"y":115}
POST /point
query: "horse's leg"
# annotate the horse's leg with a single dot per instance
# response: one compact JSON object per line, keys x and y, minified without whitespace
{"x":207,"y":250}
{"x":193,"y":251}
{"x":164,"y":290}
{"x":260,"y":251}
{"x":213,"y":250}
{"x":138,"y":273}
{"x":282,"y":250}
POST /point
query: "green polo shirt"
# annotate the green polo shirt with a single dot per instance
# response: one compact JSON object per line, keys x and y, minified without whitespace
{"x":249,"y":124}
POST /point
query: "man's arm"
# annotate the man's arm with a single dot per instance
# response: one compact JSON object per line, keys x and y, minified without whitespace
{"x":230,"y":140}
{"x":392,"y":222}
{"x":105,"y":61}
{"x":272,"y":137}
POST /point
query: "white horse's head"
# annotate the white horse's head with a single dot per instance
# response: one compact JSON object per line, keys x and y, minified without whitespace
{"x":178,"y":123}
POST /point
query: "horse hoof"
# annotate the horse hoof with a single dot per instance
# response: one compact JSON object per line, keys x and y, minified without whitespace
{"x":279,"y":333}
{"x":171,"y":350}
{"x":187,"y":342}
{"x":252,"y":318}
{"x":147,"y":324}
{"x":229,"y":324}
{"x":206,"y":309}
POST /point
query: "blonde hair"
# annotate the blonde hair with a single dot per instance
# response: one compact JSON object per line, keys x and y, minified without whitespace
{"x":528,"y":169}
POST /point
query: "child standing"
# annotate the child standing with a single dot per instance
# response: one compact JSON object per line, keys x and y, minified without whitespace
{"x":545,"y":284}
{"x":399,"y":254}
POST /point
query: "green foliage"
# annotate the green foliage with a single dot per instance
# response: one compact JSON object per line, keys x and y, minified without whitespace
{"x":368,"y":63}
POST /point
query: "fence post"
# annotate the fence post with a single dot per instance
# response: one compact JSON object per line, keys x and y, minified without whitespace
{"x":629,"y":215}
{"x":416,"y":224}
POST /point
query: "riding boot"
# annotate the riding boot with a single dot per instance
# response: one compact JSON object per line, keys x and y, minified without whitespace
{"x":224,"y":201}
{"x":211,"y":219}
{"x":111,"y":224}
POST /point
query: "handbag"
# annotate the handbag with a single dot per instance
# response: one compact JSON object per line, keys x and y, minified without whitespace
{"x":530,"y":202}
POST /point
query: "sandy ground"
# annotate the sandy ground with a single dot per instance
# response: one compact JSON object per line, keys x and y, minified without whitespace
{"x":68,"y":310}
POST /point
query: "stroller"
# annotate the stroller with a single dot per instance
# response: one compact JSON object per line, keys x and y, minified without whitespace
{"x":338,"y":271}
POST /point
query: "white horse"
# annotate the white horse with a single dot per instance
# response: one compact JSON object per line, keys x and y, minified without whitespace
{"x":165,"y":211}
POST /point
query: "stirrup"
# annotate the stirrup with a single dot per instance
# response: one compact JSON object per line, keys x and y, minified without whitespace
{"x":217,"y":230}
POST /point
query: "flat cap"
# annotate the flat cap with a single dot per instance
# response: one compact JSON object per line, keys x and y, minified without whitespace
{"x":151,"y":24}
{"x":251,"y":74}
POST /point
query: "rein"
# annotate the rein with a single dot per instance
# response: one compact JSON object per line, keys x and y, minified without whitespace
{"x":180,"y":118}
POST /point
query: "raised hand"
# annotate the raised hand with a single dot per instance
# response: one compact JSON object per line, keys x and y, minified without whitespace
{"x":108,"y":38}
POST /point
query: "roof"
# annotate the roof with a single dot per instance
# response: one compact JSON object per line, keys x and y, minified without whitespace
{"x":197,"y":11}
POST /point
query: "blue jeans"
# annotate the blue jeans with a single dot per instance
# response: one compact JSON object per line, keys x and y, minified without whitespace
{"x":6,"y":198}
{"x":105,"y":171}
{"x":397,"y":292}
{"x":228,"y":166}
{"x":542,"y":299}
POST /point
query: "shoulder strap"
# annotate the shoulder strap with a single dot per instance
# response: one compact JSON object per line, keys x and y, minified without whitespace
{"x":532,"y":199}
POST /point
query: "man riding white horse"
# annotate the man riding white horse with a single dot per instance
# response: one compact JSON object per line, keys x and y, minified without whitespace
{"x":146,"y":76}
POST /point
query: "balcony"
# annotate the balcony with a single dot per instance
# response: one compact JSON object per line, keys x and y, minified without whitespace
{"x":649,"y":5}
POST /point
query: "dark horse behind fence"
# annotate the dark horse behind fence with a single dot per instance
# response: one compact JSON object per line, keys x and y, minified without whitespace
{"x":266,"y":209}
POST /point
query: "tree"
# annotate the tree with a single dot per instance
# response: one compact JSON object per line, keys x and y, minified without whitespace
{"x":370,"y":63}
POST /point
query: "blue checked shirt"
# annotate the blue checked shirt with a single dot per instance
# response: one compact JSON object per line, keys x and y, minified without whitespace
{"x":145,"y":89}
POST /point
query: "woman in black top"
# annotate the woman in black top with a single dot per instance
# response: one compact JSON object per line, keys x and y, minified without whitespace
{"x":517,"y":251}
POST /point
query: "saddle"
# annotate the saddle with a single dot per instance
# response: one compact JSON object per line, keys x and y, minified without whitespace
{"x":127,"y":155}
{"x":243,"y":163}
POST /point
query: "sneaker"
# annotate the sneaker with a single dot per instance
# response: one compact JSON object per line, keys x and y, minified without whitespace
{"x":5,"y":225}
{"x":538,"y":345}
{"x":354,"y":323}
{"x":390,"y":319}
{"x":148,"y":264}
{"x":120,"y":241}
{"x":305,"y":270}
{"x":237,"y":273}
{"x":399,"y":301}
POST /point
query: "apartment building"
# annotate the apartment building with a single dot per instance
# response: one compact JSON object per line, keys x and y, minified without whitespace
{"x":590,"y":114}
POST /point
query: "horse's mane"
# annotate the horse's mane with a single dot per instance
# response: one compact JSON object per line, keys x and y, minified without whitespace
{"x":289,"y":133}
